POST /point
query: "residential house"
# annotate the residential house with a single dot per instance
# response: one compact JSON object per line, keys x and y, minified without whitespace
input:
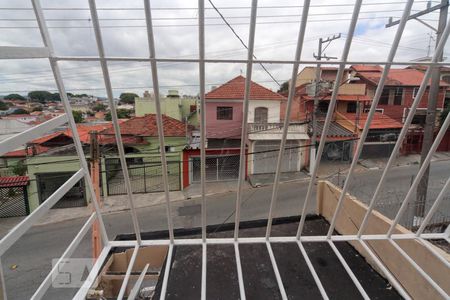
{"x":183,"y":109}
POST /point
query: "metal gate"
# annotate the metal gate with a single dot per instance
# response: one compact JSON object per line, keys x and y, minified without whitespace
{"x":337,"y":151}
{"x":145,"y":177}
{"x":48,"y":183}
{"x":266,"y":155}
{"x":218,"y":168}
{"x":14,"y":202}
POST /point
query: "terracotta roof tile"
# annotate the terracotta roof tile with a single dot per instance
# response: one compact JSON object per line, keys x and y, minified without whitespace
{"x":343,"y":98}
{"x":234,"y":89}
{"x":146,"y":126}
{"x":379,"y":121}
{"x":12,"y":181}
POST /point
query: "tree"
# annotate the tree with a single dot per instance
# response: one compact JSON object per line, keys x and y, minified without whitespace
{"x":20,"y":111}
{"x":19,"y":168}
{"x":284,"y":87}
{"x":99,"y":107}
{"x":40,"y":96}
{"x":77,"y":116}
{"x":127,"y":98}
{"x":3,"y":106}
{"x":121,"y":114}
{"x":14,"y":97}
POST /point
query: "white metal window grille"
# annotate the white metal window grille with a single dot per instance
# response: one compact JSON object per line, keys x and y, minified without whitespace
{"x":361,"y":237}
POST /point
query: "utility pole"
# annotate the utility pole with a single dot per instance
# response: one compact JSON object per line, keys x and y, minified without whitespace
{"x":95,"y":175}
{"x":433,"y":95}
{"x":319,"y":56}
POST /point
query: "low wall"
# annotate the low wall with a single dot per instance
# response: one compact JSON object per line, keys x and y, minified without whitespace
{"x":348,"y":222}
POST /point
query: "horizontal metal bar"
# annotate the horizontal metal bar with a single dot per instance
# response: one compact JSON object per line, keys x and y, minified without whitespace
{"x":420,"y":270}
{"x":8,"y":240}
{"x":128,"y":272}
{"x":244,"y":61}
{"x":391,"y":278}
{"x":281,"y":239}
{"x":135,"y":290}
{"x":10,"y":52}
{"x":20,"y":139}
{"x":42,"y":289}
{"x":82,"y":292}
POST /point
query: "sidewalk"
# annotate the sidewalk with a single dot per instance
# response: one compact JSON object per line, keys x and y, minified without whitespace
{"x":212,"y":188}
{"x":412,"y":159}
{"x":257,"y":180}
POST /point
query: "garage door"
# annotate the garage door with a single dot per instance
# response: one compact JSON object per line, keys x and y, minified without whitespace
{"x":266,"y":155}
{"x":217,"y":168}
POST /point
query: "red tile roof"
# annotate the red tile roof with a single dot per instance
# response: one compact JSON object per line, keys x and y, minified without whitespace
{"x":343,"y":98}
{"x":367,"y":68}
{"x":146,"y":126}
{"x":13,"y":181}
{"x":234,"y":89}
{"x":379,"y":121}
{"x":26,"y":152}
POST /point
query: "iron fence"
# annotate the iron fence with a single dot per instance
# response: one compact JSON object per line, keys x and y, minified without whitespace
{"x":14,"y":202}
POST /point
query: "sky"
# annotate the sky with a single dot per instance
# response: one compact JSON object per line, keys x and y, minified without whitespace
{"x":176,"y":36}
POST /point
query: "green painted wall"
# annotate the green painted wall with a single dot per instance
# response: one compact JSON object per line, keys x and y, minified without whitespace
{"x":177,"y":108}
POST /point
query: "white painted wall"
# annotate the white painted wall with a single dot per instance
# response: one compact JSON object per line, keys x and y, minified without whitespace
{"x":272,"y":106}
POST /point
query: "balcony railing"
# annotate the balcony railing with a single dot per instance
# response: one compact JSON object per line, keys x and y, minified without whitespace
{"x":275,"y":127}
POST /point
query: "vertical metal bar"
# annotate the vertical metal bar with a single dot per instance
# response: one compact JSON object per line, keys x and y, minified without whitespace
{"x":348,"y":270}
{"x":434,"y":207}
{"x":201,"y":65}
{"x":248,"y":81}
{"x":313,"y":271}
{"x":420,"y":270}
{"x":128,"y":272}
{"x":239,"y":271}
{"x":330,"y":112}
{"x":68,"y":109}
{"x":166,"y":272}
{"x":404,"y":131}
{"x":419,"y":175}
{"x":2,"y":282}
{"x":154,"y":68}
{"x":391,"y":278}
{"x":276,"y":271}
{"x":373,"y":107}
{"x":115,"y":120}
{"x":298,"y":53}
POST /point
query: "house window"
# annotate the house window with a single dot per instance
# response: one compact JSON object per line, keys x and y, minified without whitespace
{"x":168,"y":149}
{"x":378,"y":110}
{"x":224,"y":113}
{"x":261,"y":114}
{"x":398,"y":97}
{"x":384,"y":98}
{"x":351,"y":107}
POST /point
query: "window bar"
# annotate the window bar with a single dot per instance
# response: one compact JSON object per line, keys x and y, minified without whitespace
{"x":373,"y":107}
{"x":298,"y":53}
{"x":166,"y":272}
{"x":391,"y":278}
{"x":419,"y":174}
{"x":201,"y":65}
{"x":276,"y":271}
{"x":115,"y":121}
{"x":349,"y":270}
{"x":137,"y":286}
{"x":434,"y":207}
{"x":128,"y":272}
{"x":420,"y":270}
{"x":330,"y":111}
{"x":42,"y":289}
{"x":404,"y":130}
{"x":313,"y":271}
{"x":68,"y":110}
{"x":433,"y":250}
{"x":239,"y":271}
{"x":255,"y":61}
{"x":242,"y":157}
{"x":154,"y":69}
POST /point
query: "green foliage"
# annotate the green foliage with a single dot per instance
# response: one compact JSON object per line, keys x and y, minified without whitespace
{"x":19,"y":168}
{"x":43,"y":96}
{"x":99,"y":107}
{"x":127,"y":98}
{"x":77,"y":116}
{"x":20,"y":111}
{"x":3,"y":106}
{"x":284,"y":87}
{"x":14,"y":97}
{"x":121,"y":114}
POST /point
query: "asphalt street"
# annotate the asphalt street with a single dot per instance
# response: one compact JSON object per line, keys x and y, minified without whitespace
{"x":28,"y":261}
